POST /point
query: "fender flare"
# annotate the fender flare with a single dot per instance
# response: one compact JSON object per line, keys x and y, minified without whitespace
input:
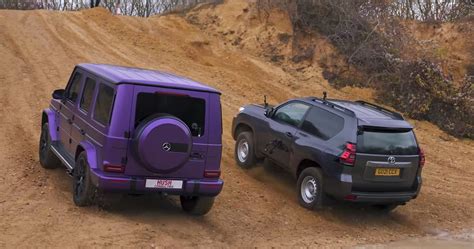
{"x":50,"y":114}
{"x":245,"y":123}
{"x":91,"y":153}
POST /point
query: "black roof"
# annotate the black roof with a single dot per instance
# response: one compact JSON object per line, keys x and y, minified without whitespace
{"x":368,"y":114}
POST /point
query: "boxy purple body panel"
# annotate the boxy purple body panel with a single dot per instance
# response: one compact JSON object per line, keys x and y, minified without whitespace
{"x":119,"y":117}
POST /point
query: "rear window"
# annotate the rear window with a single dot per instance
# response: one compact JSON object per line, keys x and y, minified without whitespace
{"x":322,"y":124}
{"x":103,"y":104}
{"x":190,"y":110}
{"x":387,"y":143}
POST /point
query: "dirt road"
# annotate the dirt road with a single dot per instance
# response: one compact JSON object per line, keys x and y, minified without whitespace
{"x":38,"y":50}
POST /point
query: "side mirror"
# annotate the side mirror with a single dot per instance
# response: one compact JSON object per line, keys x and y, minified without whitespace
{"x":58,"y":94}
{"x":269,"y":112}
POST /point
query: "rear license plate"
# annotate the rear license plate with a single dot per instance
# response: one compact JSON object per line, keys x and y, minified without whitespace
{"x":164,"y":184}
{"x":387,"y":172}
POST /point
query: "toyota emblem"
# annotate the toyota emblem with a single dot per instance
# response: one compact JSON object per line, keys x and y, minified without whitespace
{"x":166,"y":146}
{"x":391,"y":160}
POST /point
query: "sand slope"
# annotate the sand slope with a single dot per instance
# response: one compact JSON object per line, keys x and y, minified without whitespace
{"x":38,"y":50}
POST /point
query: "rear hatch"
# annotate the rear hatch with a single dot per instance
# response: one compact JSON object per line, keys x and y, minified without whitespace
{"x":195,"y":109}
{"x":386,"y":161}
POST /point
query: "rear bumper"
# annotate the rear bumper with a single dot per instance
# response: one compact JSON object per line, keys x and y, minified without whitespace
{"x":342,"y":189}
{"x":395,"y":197}
{"x":136,"y":185}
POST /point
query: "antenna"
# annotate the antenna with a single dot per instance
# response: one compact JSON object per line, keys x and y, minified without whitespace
{"x":265,"y":101}
{"x":325,"y":94}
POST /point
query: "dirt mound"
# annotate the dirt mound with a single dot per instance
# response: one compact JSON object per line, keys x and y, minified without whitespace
{"x":256,"y":208}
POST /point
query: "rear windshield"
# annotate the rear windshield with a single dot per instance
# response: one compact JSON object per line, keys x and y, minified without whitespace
{"x":387,"y":143}
{"x":190,"y":110}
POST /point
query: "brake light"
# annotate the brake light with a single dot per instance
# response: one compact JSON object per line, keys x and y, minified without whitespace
{"x":350,"y":197}
{"x":212,"y":173}
{"x":348,"y":155}
{"x":422,"y":157}
{"x":114,"y":168}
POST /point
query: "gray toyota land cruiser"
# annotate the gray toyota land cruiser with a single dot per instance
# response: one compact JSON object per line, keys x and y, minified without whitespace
{"x":352,"y":151}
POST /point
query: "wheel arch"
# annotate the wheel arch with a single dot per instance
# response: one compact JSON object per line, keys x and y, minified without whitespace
{"x":241,"y":127}
{"x":91,"y":153}
{"x":48,"y":116}
{"x":306,"y":163}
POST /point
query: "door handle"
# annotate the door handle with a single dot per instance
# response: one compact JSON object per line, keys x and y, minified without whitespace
{"x":288,"y":134}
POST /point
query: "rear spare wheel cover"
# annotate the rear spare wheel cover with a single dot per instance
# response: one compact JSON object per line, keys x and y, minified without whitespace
{"x":164,"y":144}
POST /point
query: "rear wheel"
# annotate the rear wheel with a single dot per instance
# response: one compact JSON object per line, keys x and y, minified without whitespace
{"x":47,"y":158}
{"x":197,"y":205}
{"x":83,"y":189}
{"x":245,"y":150}
{"x":310,"y":188}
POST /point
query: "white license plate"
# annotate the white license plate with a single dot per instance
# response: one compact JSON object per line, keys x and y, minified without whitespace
{"x":166,"y":184}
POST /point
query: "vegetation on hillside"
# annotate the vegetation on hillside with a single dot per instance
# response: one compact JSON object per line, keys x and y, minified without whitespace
{"x":378,"y":53}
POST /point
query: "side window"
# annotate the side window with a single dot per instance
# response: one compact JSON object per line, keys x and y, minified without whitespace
{"x":322,"y":124}
{"x":103,"y":104}
{"x":87,"y":95}
{"x":72,"y":91}
{"x":291,"y":113}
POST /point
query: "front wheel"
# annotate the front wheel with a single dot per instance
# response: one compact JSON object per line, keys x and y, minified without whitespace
{"x":310,"y":188}
{"x":245,"y":150}
{"x":197,"y":205}
{"x":83,"y":189}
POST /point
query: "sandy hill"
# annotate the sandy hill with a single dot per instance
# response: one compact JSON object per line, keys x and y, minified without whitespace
{"x":38,"y":50}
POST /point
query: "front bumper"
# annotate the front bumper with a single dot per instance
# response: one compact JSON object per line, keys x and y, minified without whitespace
{"x":342,"y":189}
{"x":136,"y":185}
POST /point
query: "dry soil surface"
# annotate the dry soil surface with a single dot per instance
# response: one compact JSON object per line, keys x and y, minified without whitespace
{"x":38,"y":50}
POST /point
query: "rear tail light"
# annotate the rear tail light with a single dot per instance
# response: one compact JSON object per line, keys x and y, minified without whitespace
{"x":348,"y":155}
{"x":212,"y":173}
{"x":114,"y":168}
{"x":422,"y":157}
{"x":350,"y":197}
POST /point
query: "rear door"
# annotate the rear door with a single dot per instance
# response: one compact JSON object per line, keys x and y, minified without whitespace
{"x":192,"y":107}
{"x":386,"y":161}
{"x":82,"y":119}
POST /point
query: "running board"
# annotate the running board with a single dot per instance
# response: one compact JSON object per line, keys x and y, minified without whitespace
{"x":63,"y":157}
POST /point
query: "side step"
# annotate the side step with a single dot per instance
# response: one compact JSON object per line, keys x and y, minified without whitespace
{"x":64,"y":157}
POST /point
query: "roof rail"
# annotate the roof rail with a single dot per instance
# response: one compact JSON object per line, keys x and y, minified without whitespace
{"x":327,"y":102}
{"x":379,"y":108}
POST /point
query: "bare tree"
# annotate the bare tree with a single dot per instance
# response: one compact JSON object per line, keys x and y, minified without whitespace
{"x":94,"y":3}
{"x":143,"y":8}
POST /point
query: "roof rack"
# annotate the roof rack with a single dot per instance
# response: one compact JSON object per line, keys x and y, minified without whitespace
{"x":328,"y":102}
{"x":379,"y":108}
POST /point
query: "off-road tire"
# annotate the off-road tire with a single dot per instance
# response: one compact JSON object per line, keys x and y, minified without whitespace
{"x":197,"y":205}
{"x":83,"y":190}
{"x":47,"y":158}
{"x":318,"y":197}
{"x":250,"y":160}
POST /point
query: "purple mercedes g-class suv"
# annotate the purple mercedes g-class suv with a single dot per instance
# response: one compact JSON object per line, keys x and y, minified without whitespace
{"x":129,"y":130}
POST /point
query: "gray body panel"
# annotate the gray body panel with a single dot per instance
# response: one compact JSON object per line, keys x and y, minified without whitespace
{"x":298,"y":146}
